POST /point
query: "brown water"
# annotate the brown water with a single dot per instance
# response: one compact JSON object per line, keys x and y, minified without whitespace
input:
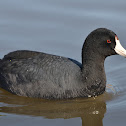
{"x":60,"y":27}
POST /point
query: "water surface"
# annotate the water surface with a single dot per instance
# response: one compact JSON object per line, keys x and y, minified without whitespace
{"x":60,"y":27}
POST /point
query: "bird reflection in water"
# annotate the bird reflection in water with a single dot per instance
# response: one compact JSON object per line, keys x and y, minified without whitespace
{"x":91,"y":110}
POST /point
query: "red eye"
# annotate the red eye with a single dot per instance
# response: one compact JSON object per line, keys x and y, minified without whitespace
{"x":108,"y":41}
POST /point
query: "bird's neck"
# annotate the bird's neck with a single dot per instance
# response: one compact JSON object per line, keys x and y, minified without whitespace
{"x":93,"y":72}
{"x":93,"y":61}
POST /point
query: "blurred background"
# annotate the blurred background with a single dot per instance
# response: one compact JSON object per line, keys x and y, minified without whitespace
{"x":60,"y":27}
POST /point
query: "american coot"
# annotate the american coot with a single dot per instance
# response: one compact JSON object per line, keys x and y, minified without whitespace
{"x":37,"y":74}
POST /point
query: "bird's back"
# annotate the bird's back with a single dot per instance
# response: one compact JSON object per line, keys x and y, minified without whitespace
{"x":37,"y":74}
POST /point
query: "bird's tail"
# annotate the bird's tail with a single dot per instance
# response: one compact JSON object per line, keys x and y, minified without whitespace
{"x":0,"y":72}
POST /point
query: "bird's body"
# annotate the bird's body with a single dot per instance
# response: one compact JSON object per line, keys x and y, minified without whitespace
{"x":43,"y":75}
{"x":37,"y":74}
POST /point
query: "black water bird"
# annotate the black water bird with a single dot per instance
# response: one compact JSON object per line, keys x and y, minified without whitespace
{"x":37,"y":74}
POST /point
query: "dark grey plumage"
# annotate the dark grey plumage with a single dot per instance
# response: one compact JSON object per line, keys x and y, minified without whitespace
{"x":36,"y":74}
